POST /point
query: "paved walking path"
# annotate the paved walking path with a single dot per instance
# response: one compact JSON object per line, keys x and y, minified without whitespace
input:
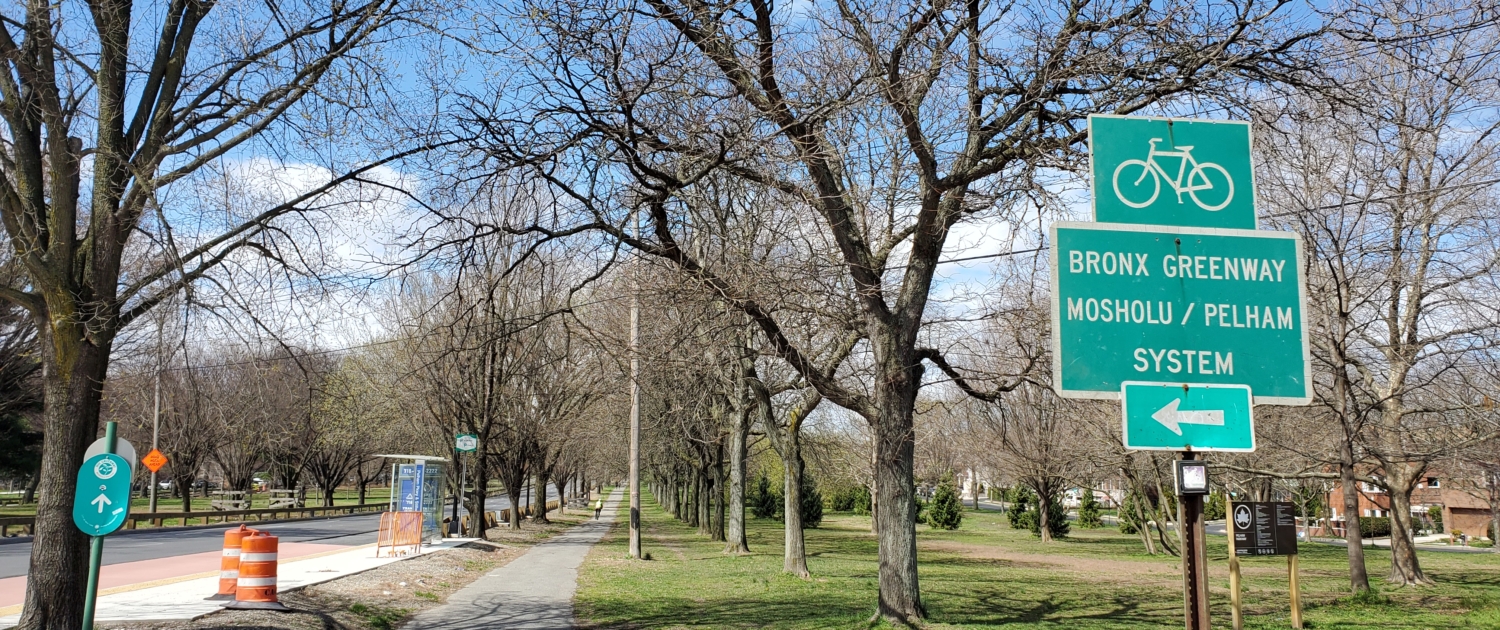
{"x":532,"y":592}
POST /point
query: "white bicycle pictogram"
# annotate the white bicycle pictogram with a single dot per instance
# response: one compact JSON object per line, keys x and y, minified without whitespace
{"x":1190,"y":181}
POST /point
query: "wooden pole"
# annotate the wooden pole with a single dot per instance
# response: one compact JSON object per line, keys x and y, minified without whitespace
{"x":1291,"y":569}
{"x":1234,"y":564}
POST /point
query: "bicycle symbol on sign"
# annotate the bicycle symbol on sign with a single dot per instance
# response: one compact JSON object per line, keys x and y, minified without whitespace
{"x":1189,"y":180}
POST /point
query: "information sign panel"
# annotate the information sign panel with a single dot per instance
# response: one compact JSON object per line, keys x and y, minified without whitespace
{"x":1163,"y":171}
{"x":409,"y":488}
{"x":1167,"y":304}
{"x":431,"y":475}
{"x":1264,"y":529}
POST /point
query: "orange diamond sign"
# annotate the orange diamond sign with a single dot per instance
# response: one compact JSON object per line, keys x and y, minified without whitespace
{"x":154,"y":460}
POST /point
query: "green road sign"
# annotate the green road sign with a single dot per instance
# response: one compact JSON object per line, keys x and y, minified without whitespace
{"x":466,"y":443}
{"x":1162,"y":171}
{"x":1174,"y":416}
{"x":1165,"y":304}
{"x":102,"y":499}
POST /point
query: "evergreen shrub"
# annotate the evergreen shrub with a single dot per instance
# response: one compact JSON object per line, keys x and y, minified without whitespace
{"x":1089,"y":511}
{"x":945,"y":511}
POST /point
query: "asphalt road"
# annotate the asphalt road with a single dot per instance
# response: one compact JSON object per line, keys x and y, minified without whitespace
{"x":151,"y":545}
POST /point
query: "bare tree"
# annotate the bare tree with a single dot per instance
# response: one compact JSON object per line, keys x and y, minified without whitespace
{"x":1393,"y":194}
{"x":146,"y":114}
{"x":960,"y":103}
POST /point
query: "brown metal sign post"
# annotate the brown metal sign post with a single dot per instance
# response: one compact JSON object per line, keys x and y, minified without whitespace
{"x":1192,"y":485}
{"x":1234,"y":564}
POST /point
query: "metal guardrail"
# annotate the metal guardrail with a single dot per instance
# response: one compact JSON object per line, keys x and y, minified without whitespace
{"x":27,"y":524}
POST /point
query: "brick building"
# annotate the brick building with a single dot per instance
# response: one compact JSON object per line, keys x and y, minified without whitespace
{"x":1461,"y":509}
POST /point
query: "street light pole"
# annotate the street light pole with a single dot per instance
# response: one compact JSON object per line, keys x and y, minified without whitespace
{"x":635,"y":414}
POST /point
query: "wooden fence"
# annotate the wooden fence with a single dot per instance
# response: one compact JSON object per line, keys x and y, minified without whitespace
{"x":27,"y":524}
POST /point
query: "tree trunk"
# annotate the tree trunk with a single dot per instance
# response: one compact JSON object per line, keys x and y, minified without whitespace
{"x":1405,"y":569}
{"x":1493,"y":481}
{"x":900,"y":597}
{"x":185,"y":490}
{"x":31,"y":485}
{"x":476,"y":498}
{"x":513,"y":492}
{"x":1359,"y":579}
{"x":1044,"y":514}
{"x":72,"y":380}
{"x":690,"y":499}
{"x":703,"y":508}
{"x":718,"y":495}
{"x":541,"y":497}
{"x":794,"y":560}
{"x":739,"y":435}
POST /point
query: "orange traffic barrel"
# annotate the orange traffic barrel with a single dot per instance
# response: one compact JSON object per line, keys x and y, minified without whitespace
{"x":229,"y":562}
{"x":255,"y":587}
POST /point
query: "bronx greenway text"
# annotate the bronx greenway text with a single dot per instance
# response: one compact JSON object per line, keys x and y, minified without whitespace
{"x":1131,"y":311}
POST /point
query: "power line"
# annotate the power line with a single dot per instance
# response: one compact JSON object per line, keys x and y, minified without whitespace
{"x":361,"y":346}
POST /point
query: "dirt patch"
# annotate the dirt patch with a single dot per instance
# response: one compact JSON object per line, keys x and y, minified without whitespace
{"x":382,"y":598}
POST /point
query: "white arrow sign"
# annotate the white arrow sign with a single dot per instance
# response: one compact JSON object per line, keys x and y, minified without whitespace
{"x":101,"y":501}
{"x":1170,"y":417}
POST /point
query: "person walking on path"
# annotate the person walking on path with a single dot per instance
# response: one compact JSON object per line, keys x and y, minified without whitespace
{"x":598,"y":507}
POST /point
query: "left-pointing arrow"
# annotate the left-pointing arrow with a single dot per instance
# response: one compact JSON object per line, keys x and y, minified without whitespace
{"x":1171,"y":417}
{"x":101,"y":501}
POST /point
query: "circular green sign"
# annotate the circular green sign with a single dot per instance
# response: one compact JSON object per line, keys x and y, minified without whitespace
{"x":102,"y":499}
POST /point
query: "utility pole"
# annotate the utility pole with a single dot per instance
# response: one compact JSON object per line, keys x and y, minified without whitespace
{"x":156,"y":420}
{"x":635,"y":410}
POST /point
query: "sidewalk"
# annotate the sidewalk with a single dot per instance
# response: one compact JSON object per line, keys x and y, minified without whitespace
{"x":183,"y":597}
{"x":532,"y":592}
{"x":125,"y":576}
{"x":1385,"y":543}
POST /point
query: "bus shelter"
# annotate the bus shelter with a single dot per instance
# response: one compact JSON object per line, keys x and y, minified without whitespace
{"x":417,"y":485}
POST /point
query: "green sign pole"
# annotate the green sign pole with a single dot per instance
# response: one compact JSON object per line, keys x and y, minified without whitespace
{"x":96,"y":546}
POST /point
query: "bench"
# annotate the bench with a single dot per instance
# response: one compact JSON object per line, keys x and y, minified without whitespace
{"x":229,"y":500}
{"x":283,"y":499}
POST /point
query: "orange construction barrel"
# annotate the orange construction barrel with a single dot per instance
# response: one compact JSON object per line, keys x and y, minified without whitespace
{"x":229,"y":562}
{"x":256,"y":586}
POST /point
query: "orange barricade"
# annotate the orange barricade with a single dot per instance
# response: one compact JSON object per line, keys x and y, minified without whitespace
{"x":229,"y":562}
{"x":256,"y":587}
{"x":401,"y":532}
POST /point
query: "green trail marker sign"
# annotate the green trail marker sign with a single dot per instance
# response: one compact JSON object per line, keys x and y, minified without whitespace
{"x":465,"y":443}
{"x":1168,"y":304}
{"x":102,"y":500}
{"x":1163,"y":171}
{"x":1173,"y":417}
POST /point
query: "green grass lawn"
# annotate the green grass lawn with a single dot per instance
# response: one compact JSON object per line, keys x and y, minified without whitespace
{"x":988,"y":575}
